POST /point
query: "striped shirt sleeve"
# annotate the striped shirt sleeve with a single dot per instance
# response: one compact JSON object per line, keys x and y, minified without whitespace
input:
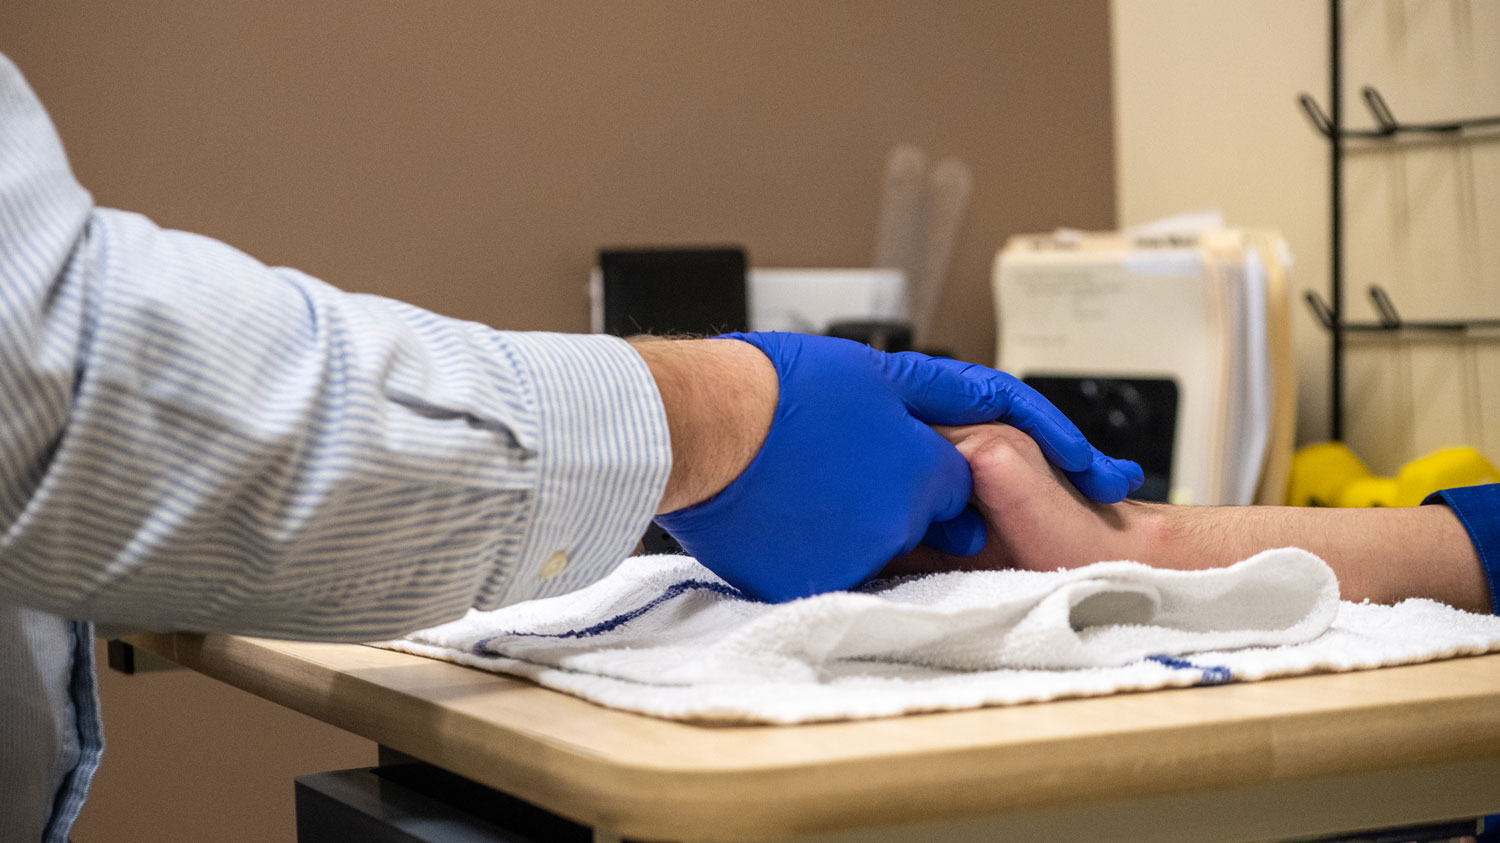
{"x":192,"y":440}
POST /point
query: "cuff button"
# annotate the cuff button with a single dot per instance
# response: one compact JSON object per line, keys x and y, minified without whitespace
{"x":553,"y":566}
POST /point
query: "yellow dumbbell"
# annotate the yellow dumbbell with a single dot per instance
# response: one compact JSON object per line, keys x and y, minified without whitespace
{"x":1320,"y":472}
{"x":1445,"y":469}
{"x":1329,"y":474}
{"x":1369,"y":491}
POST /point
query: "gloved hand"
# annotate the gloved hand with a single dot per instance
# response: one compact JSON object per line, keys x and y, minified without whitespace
{"x":850,"y":475}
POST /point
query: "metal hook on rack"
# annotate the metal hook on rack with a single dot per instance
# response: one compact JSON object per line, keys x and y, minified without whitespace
{"x":1390,"y":318}
{"x":1380,"y":110}
{"x":1387,"y":125}
{"x":1320,"y":309}
{"x":1324,"y":124}
{"x":1316,"y":114}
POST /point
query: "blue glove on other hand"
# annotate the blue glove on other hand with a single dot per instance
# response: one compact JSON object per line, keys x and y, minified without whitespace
{"x":851,"y":476}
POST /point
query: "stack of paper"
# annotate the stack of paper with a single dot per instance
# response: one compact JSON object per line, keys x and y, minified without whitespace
{"x":1171,"y":346}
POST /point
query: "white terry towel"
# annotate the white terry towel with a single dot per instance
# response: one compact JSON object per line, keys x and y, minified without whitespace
{"x":662,"y":635}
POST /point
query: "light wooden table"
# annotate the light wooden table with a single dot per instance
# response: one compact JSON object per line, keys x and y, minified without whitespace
{"x":1290,"y":757}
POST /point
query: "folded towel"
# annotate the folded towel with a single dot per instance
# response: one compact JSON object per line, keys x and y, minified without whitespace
{"x":664,"y":636}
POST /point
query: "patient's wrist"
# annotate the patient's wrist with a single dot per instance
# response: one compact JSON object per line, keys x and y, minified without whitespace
{"x":1165,"y":536}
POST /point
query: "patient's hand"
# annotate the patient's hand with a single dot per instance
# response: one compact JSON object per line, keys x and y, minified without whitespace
{"x":1036,"y":519}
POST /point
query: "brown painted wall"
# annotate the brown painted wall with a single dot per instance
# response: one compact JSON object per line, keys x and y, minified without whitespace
{"x":471,"y":156}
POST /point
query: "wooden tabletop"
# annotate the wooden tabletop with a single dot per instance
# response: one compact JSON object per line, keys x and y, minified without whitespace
{"x":659,"y":779}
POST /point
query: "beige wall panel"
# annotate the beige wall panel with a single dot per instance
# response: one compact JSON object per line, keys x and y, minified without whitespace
{"x":1206,"y":116}
{"x":1447,"y":410}
{"x":1487,"y":359}
{"x":1381,"y":379}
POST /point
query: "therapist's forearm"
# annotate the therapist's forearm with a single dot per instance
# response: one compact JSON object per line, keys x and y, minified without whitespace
{"x":720,"y":397}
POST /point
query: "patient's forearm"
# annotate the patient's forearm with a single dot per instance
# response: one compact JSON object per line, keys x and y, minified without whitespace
{"x":1384,"y":555}
{"x":1038,"y":522}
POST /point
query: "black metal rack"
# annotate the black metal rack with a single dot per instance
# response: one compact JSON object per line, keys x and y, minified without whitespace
{"x":1331,"y":125}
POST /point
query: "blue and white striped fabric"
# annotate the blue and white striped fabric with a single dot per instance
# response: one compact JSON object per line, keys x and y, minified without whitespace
{"x":192,"y":440}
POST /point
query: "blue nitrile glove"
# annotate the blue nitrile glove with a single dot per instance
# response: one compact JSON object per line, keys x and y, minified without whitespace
{"x":850,"y":475}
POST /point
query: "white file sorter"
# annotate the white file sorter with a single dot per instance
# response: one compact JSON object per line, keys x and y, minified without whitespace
{"x":1170,"y":349}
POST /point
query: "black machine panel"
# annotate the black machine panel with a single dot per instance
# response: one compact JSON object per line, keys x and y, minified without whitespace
{"x":1130,"y":418}
{"x":674,"y":291}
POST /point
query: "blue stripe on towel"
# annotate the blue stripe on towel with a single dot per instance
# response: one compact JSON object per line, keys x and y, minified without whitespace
{"x":1212,"y":674}
{"x":481,"y":648}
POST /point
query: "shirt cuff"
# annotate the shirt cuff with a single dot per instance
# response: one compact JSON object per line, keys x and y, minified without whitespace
{"x":603,"y":456}
{"x":1478,"y":509}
